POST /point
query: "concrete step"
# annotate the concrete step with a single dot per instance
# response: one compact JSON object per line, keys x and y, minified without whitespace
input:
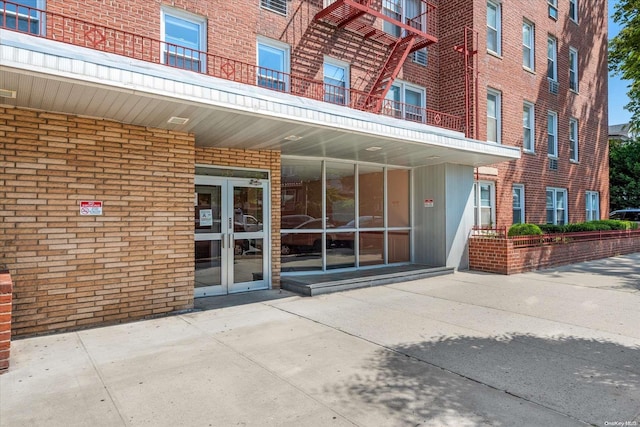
{"x":306,"y":286}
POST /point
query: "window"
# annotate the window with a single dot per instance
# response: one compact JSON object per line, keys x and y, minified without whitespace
{"x":483,"y":203}
{"x":493,"y":27}
{"x":278,"y":6}
{"x":273,"y":65}
{"x":528,"y":43}
{"x":552,"y":134}
{"x":420,"y":56}
{"x":405,"y":101}
{"x":528,"y":125}
{"x":573,"y":140}
{"x":518,"y":203}
{"x":592,"y":203}
{"x":493,"y":116}
{"x":22,"y":15}
{"x":410,"y":12}
{"x":184,"y":39}
{"x":573,"y":10}
{"x":573,"y":69}
{"x":336,"y":81}
{"x":557,"y":206}
{"x":553,"y":9}
{"x":552,"y":63}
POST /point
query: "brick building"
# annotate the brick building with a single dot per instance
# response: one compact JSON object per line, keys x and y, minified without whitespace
{"x":153,"y":152}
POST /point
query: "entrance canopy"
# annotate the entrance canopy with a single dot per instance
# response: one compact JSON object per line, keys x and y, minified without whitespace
{"x":51,"y":76}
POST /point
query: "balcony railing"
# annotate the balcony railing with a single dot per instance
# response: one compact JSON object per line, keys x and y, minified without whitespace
{"x":65,"y":29}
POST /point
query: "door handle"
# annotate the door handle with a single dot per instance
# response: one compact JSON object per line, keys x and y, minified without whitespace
{"x":223,"y":239}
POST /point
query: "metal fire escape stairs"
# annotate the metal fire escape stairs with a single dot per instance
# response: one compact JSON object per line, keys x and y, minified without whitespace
{"x":361,"y":17}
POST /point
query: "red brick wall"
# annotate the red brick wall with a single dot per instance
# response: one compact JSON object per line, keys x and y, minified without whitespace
{"x":6,"y":296}
{"x":135,"y":260}
{"x":517,"y":85}
{"x":497,"y":255}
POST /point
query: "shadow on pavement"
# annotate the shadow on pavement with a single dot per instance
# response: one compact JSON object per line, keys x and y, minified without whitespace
{"x":590,"y":380}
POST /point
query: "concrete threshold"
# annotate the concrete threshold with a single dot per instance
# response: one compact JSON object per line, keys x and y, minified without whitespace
{"x":318,"y":284}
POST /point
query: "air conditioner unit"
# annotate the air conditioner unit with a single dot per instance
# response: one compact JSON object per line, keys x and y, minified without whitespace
{"x":553,"y":164}
{"x":553,"y":87}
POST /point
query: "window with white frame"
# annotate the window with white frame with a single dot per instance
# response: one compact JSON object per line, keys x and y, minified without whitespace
{"x":557,"y":206}
{"x":483,"y":204}
{"x":518,"y":203}
{"x":553,"y":9}
{"x":573,"y":69}
{"x":552,"y":134}
{"x":573,"y":140}
{"x":22,"y":15}
{"x":552,"y":56}
{"x":493,"y":116}
{"x":278,"y":6}
{"x":592,"y":203}
{"x":573,"y":10}
{"x":528,"y":46}
{"x":528,"y":126}
{"x":405,"y":101}
{"x":184,"y":37}
{"x":411,"y":12}
{"x":273,"y":64}
{"x":336,"y":81}
{"x":494,"y":27}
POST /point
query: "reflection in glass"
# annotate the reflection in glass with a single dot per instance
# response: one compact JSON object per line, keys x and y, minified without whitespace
{"x":208,"y":257}
{"x":302,"y":251}
{"x":340,"y":197}
{"x":398,"y":193}
{"x":248,"y":265}
{"x":341,"y":254}
{"x":399,"y":246}
{"x":301,"y":192}
{"x":248,"y":211}
{"x":371,"y":201}
{"x":371,"y":247}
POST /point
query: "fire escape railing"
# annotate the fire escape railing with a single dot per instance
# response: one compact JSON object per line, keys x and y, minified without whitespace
{"x":65,"y":29}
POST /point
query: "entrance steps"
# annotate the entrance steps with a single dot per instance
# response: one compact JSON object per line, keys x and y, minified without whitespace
{"x":318,"y":284}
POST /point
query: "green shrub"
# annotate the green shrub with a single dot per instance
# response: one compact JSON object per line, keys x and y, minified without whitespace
{"x":524,"y":230}
{"x":581,"y":226}
{"x":615,"y":224}
{"x":551,"y":228}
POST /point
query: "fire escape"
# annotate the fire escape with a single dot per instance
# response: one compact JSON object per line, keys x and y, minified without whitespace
{"x":401,"y":33}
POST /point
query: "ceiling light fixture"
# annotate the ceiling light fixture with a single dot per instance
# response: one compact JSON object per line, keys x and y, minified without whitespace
{"x":177,"y":120}
{"x":6,"y":93}
{"x":374,"y":148}
{"x":293,"y":138}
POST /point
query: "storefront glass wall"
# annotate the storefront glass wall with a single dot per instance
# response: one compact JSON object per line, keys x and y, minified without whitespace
{"x":365,"y":209}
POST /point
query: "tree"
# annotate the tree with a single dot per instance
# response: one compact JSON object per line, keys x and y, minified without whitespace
{"x":624,"y":53}
{"x":624,"y":174}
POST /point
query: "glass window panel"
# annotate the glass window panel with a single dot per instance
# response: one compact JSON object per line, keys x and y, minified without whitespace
{"x":208,"y":254}
{"x":247,"y":261}
{"x":207,"y":209}
{"x":371,"y":247}
{"x":398,"y":193}
{"x":399,"y":246}
{"x":371,"y":192}
{"x":301,"y":192}
{"x":340,"y":197}
{"x":341,"y":254}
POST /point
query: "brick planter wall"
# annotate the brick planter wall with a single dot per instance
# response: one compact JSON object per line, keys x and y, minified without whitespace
{"x":498,"y":255}
{"x":6,"y":296}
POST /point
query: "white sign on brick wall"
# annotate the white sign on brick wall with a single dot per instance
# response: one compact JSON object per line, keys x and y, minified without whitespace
{"x":90,"y":207}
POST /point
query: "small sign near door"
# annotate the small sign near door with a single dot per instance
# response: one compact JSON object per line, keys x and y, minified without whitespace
{"x":206,"y":217}
{"x":90,"y":207}
{"x":428,"y":203}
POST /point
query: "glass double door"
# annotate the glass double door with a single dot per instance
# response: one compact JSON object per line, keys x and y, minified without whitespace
{"x":231,"y":235}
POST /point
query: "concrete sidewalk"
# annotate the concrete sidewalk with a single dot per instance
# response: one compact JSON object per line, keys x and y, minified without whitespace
{"x":559,"y":347}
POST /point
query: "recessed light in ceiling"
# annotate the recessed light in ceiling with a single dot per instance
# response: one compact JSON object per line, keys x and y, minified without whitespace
{"x":433,"y":157}
{"x":6,"y":93}
{"x":177,"y":120}
{"x":293,"y":138}
{"x":374,"y":148}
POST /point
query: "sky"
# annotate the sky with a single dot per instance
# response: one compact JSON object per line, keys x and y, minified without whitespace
{"x":617,"y":88}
